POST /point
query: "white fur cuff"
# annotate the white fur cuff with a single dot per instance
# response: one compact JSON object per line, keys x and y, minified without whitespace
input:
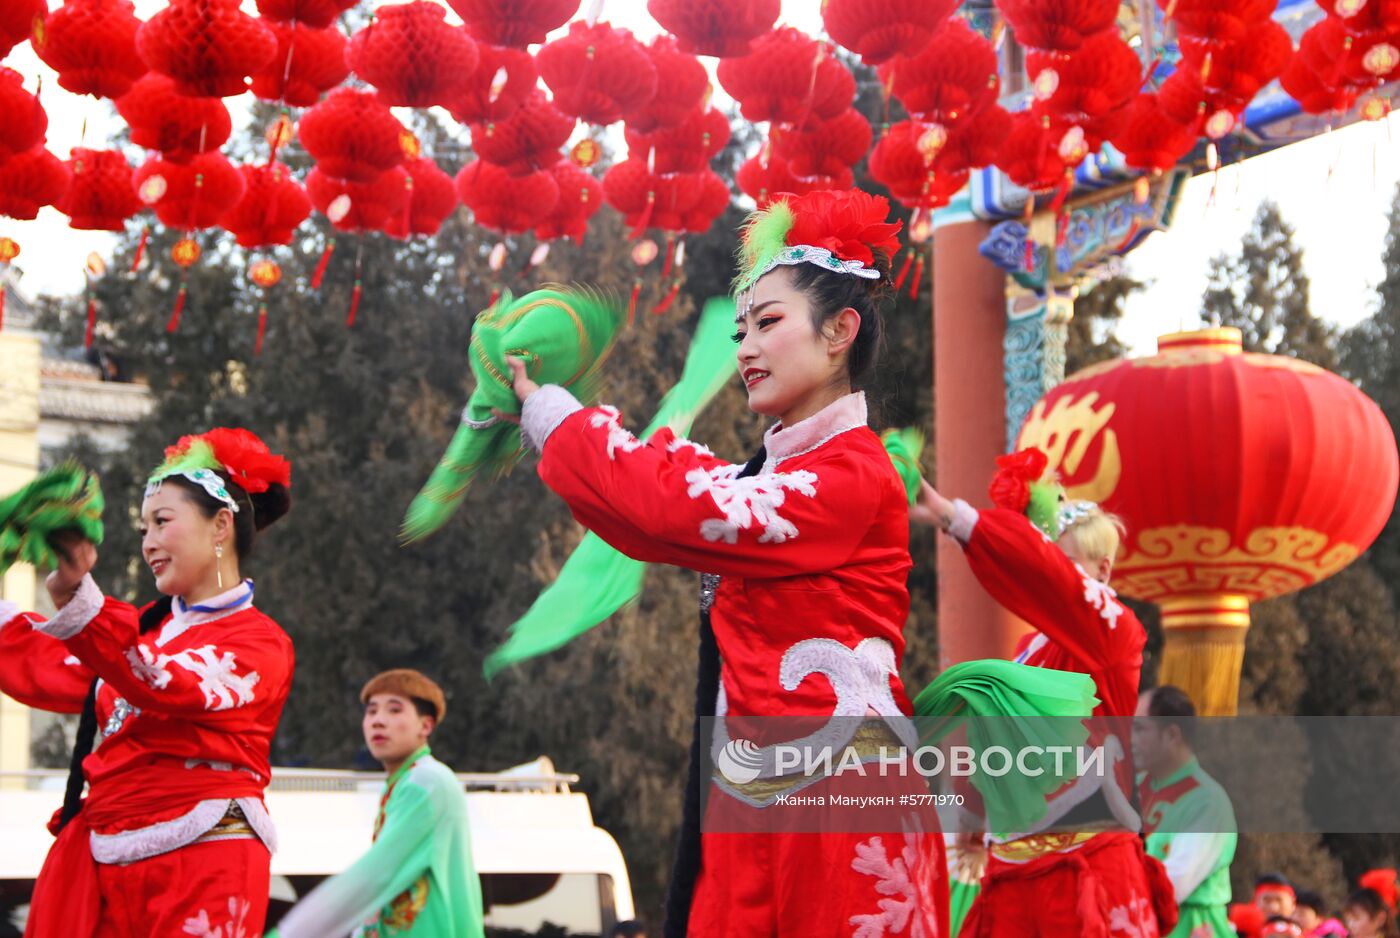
{"x":8,"y":611}
{"x":543,"y":411}
{"x":74,"y":617}
{"x":964,"y":520}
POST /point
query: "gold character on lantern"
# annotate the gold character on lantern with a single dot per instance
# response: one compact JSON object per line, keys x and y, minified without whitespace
{"x":1065,"y":433}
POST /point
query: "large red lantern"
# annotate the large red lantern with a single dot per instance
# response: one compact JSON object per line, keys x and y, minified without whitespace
{"x":411,"y":54}
{"x":765,"y":176}
{"x":359,"y":206}
{"x":681,"y":83}
{"x":353,"y":135}
{"x":100,"y":196}
{"x":902,"y":162}
{"x":1098,"y":78}
{"x":685,"y":148}
{"x":787,"y":77}
{"x":503,"y":81}
{"x":598,"y":73}
{"x":209,"y":47}
{"x":317,"y":14}
{"x":819,"y":147}
{"x":92,"y":46}
{"x":954,"y":76}
{"x":1239,"y":477}
{"x":432,"y":197}
{"x":1151,"y":138}
{"x":22,"y":118}
{"x":514,"y":23}
{"x":506,"y":203}
{"x":273,"y":206}
{"x":178,"y":126}
{"x":30,"y":181}
{"x":309,"y":62}
{"x":17,"y":20}
{"x":580,"y":197}
{"x":1218,"y":20}
{"x":715,"y":27}
{"x":1058,"y":25}
{"x":190,"y":195}
{"x":526,"y":142}
{"x":878,"y":30}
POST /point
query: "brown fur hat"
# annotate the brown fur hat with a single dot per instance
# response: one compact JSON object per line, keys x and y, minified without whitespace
{"x":406,"y":682}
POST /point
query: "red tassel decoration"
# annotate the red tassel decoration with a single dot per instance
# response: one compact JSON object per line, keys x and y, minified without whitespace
{"x":91,"y":322}
{"x":140,"y":248}
{"x":904,"y":270}
{"x":262,"y":328}
{"x":354,"y":305}
{"x":645,"y":220}
{"x":632,"y":303}
{"x":174,"y":322}
{"x":918,"y":275}
{"x":322,"y":264}
{"x":495,"y":295}
{"x":670,"y":298}
{"x":670,"y":257}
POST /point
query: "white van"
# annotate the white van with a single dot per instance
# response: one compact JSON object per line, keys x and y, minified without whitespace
{"x":545,"y":868}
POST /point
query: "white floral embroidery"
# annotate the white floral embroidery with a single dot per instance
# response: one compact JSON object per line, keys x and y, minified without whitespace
{"x":860,"y":676}
{"x":222,"y":687}
{"x":147,"y":667}
{"x":1102,"y":597}
{"x":911,"y":879}
{"x":619,"y":438}
{"x":236,"y":927}
{"x":72,"y":661}
{"x":680,"y":443}
{"x":1135,"y":919}
{"x":750,"y":501}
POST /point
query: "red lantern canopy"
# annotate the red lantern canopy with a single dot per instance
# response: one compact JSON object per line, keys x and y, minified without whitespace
{"x":357,"y":206}
{"x":1341,"y":59}
{"x":598,"y":73}
{"x":308,"y":63}
{"x":786,"y":78}
{"x":22,"y":118}
{"x":1033,"y":154}
{"x":955,"y":75}
{"x":527,"y":141}
{"x":101,"y":196}
{"x":901,"y":164}
{"x":1218,"y":20}
{"x":513,"y":23}
{"x":971,"y":144}
{"x":1057,"y":25}
{"x":412,"y":55}
{"x":1151,"y":138}
{"x":30,"y":181}
{"x":647,"y":200}
{"x":503,"y":81}
{"x":715,"y":27}
{"x":352,"y":135}
{"x":317,"y":14}
{"x":878,"y":30}
{"x":194,"y":194}
{"x":685,"y":148}
{"x":178,"y":126}
{"x":17,"y":21}
{"x":580,"y":197}
{"x":507,"y":203}
{"x":273,"y":206}
{"x":761,"y":179}
{"x":681,"y":84}
{"x":92,"y":46}
{"x":714,"y":199}
{"x":1100,"y":77}
{"x":432,"y":197}
{"x":1225,"y":503}
{"x":822,"y":147}
{"x":1231,"y":73}
{"x":209,"y":47}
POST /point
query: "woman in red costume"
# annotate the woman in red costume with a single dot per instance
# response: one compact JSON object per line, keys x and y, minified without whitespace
{"x":179,"y":703}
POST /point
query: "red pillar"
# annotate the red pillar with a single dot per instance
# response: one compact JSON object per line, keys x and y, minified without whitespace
{"x":969,"y":406}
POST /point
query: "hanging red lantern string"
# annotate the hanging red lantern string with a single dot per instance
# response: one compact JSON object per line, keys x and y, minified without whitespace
{"x":266,"y":274}
{"x":1057,"y":25}
{"x":190,"y":195}
{"x":185,"y":253}
{"x":687,"y":147}
{"x":648,"y":200}
{"x":598,"y":73}
{"x":30,"y":181}
{"x":513,"y":23}
{"x":101,"y":196}
{"x":209,"y":47}
{"x":715,"y":198}
{"x":681,"y":86}
{"x":308,"y":63}
{"x":762,"y":177}
{"x":643,"y":253}
{"x":1150,"y":138}
{"x":823,"y":147}
{"x":504,"y":202}
{"x":22,"y":119}
{"x":18,"y":21}
{"x":352,"y":135}
{"x":1100,"y":77}
{"x":526,"y":142}
{"x":953,"y":77}
{"x":357,"y":207}
{"x":1232,"y":73}
{"x":787,"y":76}
{"x":432,"y":198}
{"x":317,"y":14}
{"x":92,"y":46}
{"x":411,"y":54}
{"x":1342,"y":59}
{"x":906,"y":165}
{"x":878,"y":30}
{"x":273,"y":206}
{"x":176,"y":125}
{"x":500,"y":86}
{"x":1217,"y":20}
{"x":580,"y":197}
{"x":724,"y":28}
{"x":1367,"y":16}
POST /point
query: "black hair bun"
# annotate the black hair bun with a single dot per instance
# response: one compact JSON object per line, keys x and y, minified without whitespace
{"x":270,"y":505}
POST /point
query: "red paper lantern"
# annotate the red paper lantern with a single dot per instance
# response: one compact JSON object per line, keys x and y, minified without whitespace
{"x":1231,"y":73}
{"x":504,"y":202}
{"x":878,"y":30}
{"x":955,"y":75}
{"x":1225,"y":502}
{"x":17,"y":21}
{"x":185,"y":253}
{"x":356,"y":206}
{"x":685,"y":148}
{"x":1150,"y":138}
{"x":1100,"y":77}
{"x":267,"y":274}
{"x":1312,"y":93}
{"x":648,"y":200}
{"x":432,"y":197}
{"x":412,"y":55}
{"x":714,"y":199}
{"x":1057,"y":25}
{"x":526,"y":142}
{"x":92,"y":46}
{"x":178,"y":126}
{"x":715,"y":27}
{"x":901,"y":164}
{"x":972,"y":143}
{"x":513,"y":23}
{"x":101,"y":196}
{"x":273,"y":206}
{"x":503,"y":81}
{"x":308,"y":63}
{"x":317,"y":14}
{"x":1218,"y":20}
{"x":196,"y":194}
{"x":1032,"y":156}
{"x":352,"y":135}
{"x":31,"y":180}
{"x":681,"y":85}
{"x":580,"y":197}
{"x":1372,"y":16}
{"x":598,"y":73}
{"x":22,"y":118}
{"x":1341,"y":59}
{"x":761,"y":179}
{"x":787,"y":77}
{"x":822,"y":147}
{"x":209,"y":47}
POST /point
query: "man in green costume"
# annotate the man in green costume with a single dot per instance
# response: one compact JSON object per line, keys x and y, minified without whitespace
{"x":1187,"y":816}
{"x":418,"y":879}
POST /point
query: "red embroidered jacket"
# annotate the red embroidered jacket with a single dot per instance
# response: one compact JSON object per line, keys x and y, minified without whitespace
{"x":813,"y":551}
{"x":186,"y":713}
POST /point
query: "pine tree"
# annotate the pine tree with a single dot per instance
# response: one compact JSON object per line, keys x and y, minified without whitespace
{"x":1097,"y":313}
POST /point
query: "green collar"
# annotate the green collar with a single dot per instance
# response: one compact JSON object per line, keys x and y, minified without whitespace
{"x":1190,"y":767}
{"x":408,"y":764}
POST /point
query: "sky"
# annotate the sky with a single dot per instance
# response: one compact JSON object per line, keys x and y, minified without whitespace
{"x":1334,"y":189}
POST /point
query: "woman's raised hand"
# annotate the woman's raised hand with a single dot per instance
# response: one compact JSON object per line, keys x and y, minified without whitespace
{"x":931,"y":509}
{"x":76,"y":557}
{"x":524,"y":387}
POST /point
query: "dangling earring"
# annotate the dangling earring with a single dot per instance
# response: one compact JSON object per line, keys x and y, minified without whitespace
{"x":219,"y":563}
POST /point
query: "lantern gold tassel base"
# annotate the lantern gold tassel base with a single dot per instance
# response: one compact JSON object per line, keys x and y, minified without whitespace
{"x":1204,"y":650}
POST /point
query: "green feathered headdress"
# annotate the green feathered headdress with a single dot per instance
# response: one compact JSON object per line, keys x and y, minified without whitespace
{"x":65,"y":498}
{"x":1022,"y":483}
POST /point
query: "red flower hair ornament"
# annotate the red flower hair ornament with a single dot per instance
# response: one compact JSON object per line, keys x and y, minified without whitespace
{"x":239,"y":453}
{"x":1011,"y":486}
